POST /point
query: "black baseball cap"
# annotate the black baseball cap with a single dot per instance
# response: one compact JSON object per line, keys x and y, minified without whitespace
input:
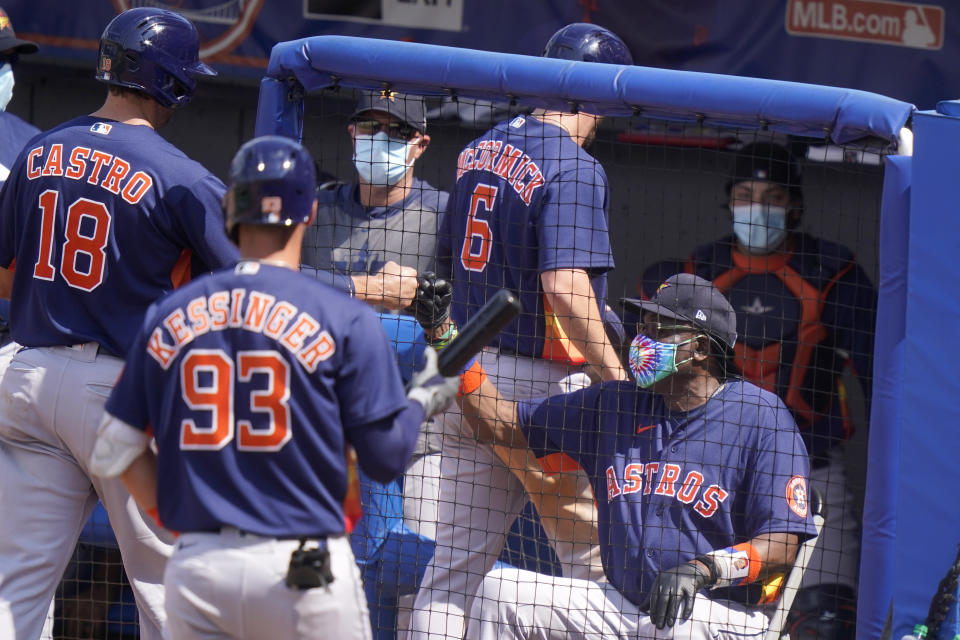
{"x":407,"y":108}
{"x":694,"y":300}
{"x":9,"y":40}
{"x":767,"y":161}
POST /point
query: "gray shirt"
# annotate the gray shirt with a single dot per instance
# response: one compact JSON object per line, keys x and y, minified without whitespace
{"x":349,"y":238}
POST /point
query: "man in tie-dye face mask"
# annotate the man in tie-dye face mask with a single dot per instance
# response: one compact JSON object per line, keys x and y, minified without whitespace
{"x":686,"y":332}
{"x":700,"y":479}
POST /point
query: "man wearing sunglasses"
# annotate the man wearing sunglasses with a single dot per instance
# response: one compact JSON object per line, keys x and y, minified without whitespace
{"x":700,"y":481}
{"x":373,"y":237}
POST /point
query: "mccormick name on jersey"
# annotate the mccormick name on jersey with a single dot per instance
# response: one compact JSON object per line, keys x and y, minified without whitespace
{"x":642,"y":479}
{"x":512,"y":164}
{"x":99,"y":168}
{"x":263,"y":313}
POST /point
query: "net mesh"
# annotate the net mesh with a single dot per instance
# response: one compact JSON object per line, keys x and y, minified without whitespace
{"x":804,"y":310}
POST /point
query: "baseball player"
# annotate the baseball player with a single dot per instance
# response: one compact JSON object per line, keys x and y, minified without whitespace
{"x":700,"y":482}
{"x":528,"y":213}
{"x":102,"y":216}
{"x":257,"y":383}
{"x":806,"y":312}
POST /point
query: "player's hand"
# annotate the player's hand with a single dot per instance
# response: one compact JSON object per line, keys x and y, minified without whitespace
{"x":430,"y":389}
{"x":675,"y":588}
{"x":393,"y":287}
{"x":432,"y":303}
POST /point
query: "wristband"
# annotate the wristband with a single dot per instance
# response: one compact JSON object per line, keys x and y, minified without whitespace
{"x":442,"y":341}
{"x":733,"y":566}
{"x":471,"y":378}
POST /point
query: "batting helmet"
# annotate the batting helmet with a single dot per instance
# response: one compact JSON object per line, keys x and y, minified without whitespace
{"x":272,"y":182}
{"x":589,"y":43}
{"x":154,"y":51}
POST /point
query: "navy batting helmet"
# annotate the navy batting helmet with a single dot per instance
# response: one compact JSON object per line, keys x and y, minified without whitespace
{"x":589,"y":43}
{"x":272,"y":182}
{"x":155,"y":51}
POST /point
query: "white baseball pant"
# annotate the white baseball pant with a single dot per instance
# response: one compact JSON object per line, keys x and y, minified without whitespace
{"x":522,"y":604}
{"x":480,"y":499}
{"x":231,"y":585}
{"x":52,"y":404}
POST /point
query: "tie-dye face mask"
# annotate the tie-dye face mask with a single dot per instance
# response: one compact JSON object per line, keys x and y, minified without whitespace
{"x":652,"y":361}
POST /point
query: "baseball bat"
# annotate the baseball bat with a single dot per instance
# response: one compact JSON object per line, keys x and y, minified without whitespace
{"x":478,"y":332}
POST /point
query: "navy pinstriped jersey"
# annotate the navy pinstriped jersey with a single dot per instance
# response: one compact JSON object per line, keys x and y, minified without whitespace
{"x":253,"y":380}
{"x":101,"y":219}
{"x":673,"y":485}
{"x":527,"y":199}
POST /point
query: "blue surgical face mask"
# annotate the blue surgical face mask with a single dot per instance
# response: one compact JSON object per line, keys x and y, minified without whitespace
{"x":652,"y":361}
{"x":381,"y":160}
{"x":760,"y":228}
{"x":6,"y":85}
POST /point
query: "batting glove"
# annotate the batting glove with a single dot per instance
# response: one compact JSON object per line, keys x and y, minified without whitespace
{"x":430,"y":389}
{"x":674,"y":588}
{"x":431,"y":306}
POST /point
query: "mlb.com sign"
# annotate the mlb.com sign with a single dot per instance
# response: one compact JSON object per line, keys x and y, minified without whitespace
{"x":895,"y":23}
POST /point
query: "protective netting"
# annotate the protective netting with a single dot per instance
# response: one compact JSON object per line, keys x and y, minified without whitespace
{"x":657,"y":198}
{"x":798,"y":271}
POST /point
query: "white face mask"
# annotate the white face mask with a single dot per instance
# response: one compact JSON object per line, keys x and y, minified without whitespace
{"x":6,"y":85}
{"x":760,"y":228}
{"x":380,"y":160}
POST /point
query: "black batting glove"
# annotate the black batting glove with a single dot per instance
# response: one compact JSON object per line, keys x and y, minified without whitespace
{"x":675,"y":588}
{"x":431,"y":306}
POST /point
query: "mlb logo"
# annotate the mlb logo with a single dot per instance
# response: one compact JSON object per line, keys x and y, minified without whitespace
{"x":105,"y":63}
{"x":247,"y":268}
{"x":517,"y":122}
{"x":101,"y":127}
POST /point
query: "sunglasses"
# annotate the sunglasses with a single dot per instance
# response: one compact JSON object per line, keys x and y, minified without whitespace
{"x":655,"y":330}
{"x":396,"y":130}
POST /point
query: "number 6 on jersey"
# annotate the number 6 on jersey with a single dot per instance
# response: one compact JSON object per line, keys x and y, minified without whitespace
{"x":479,"y":229}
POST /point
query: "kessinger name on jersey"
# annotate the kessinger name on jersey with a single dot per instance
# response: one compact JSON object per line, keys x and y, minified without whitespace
{"x":264,"y":314}
{"x":100,"y":168}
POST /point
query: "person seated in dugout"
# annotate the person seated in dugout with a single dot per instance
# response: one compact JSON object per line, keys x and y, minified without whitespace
{"x":805,"y":315}
{"x":701,"y":479}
